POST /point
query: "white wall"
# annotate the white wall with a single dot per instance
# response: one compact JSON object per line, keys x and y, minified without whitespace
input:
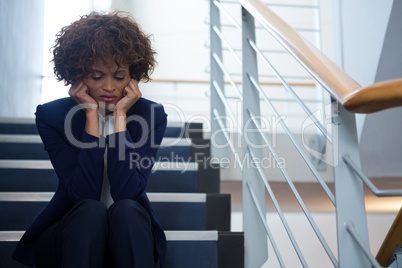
{"x":21,"y":33}
{"x":381,"y":145}
{"x":179,"y":34}
{"x":363,"y":26}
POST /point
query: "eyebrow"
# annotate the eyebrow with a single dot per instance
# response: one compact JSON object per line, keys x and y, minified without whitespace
{"x":97,"y":71}
{"x":119,"y":71}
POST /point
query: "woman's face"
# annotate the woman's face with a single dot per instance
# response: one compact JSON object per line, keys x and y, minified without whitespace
{"x":106,"y":84}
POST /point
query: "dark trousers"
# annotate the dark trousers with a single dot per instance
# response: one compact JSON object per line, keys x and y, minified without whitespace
{"x":90,"y":235}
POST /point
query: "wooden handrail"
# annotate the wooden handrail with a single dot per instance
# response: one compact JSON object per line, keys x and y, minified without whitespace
{"x":393,"y":239}
{"x":340,"y":85}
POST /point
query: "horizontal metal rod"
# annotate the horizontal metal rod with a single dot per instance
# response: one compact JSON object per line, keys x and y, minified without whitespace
{"x":278,"y":100}
{"x":314,"y":30}
{"x":291,"y":91}
{"x":275,"y":51}
{"x":296,"y":194}
{"x":224,"y":131}
{"x":350,"y":228}
{"x":207,"y":70}
{"x":232,"y":82}
{"x":280,"y":213}
{"x":228,"y":2}
{"x":220,"y":35}
{"x":380,"y":193}
{"x":223,"y":99}
{"x":273,"y":83}
{"x":264,"y":222}
{"x":294,"y":6}
{"x":220,"y":7}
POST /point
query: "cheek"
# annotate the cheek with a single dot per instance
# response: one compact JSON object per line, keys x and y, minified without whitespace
{"x":122,"y":85}
{"x":92,"y":87}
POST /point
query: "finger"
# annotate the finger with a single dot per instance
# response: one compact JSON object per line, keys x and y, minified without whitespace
{"x":135,"y":89}
{"x":72,"y":89}
{"x":75,"y":88}
{"x":129,"y":90}
{"x":82,"y":90}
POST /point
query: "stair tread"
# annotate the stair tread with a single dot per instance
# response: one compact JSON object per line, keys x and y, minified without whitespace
{"x":46,"y":164}
{"x":171,"y":235}
{"x":35,"y":138}
{"x":153,"y":197}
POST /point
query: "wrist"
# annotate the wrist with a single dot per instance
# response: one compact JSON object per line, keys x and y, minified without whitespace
{"x":119,"y":113}
{"x":119,"y":121}
{"x":92,"y":113}
{"x":92,"y":123}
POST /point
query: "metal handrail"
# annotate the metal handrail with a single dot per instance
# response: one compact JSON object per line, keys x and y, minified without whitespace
{"x":294,"y":191}
{"x":286,"y":85}
{"x":354,"y":97}
{"x":264,"y":222}
{"x":344,"y":90}
{"x":380,"y":193}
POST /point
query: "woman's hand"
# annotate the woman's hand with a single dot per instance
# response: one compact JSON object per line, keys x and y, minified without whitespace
{"x":131,"y":95}
{"x":80,"y":94}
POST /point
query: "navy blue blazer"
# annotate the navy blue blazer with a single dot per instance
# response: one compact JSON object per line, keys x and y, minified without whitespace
{"x":78,"y":159}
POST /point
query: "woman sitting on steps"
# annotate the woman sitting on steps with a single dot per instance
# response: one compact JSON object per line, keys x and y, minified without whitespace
{"x":102,"y":142}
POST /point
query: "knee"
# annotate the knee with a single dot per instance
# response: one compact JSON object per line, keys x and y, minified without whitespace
{"x":129,"y":211}
{"x":91,"y":213}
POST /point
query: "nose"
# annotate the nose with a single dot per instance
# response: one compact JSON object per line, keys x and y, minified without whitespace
{"x":108,"y":85}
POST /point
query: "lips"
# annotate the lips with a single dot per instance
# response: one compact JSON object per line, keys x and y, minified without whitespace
{"x":108,"y":98}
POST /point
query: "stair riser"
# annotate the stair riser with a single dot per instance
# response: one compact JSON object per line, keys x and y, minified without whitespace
{"x":45,"y":180}
{"x":35,"y":151}
{"x":193,"y":130}
{"x":198,"y":215}
{"x":180,"y":254}
{"x":26,"y":129}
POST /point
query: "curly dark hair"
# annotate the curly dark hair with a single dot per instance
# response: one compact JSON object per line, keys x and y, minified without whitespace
{"x":114,"y":37}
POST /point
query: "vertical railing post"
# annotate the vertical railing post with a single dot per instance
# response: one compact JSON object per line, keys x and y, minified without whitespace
{"x":349,"y":196}
{"x":218,"y":150}
{"x":256,"y":248}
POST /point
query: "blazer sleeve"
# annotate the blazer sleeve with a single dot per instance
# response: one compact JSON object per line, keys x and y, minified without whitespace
{"x":80,"y":170}
{"x":129,"y":164}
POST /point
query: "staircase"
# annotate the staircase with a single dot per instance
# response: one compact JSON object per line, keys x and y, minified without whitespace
{"x":267,"y":40}
{"x":183,"y":189}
